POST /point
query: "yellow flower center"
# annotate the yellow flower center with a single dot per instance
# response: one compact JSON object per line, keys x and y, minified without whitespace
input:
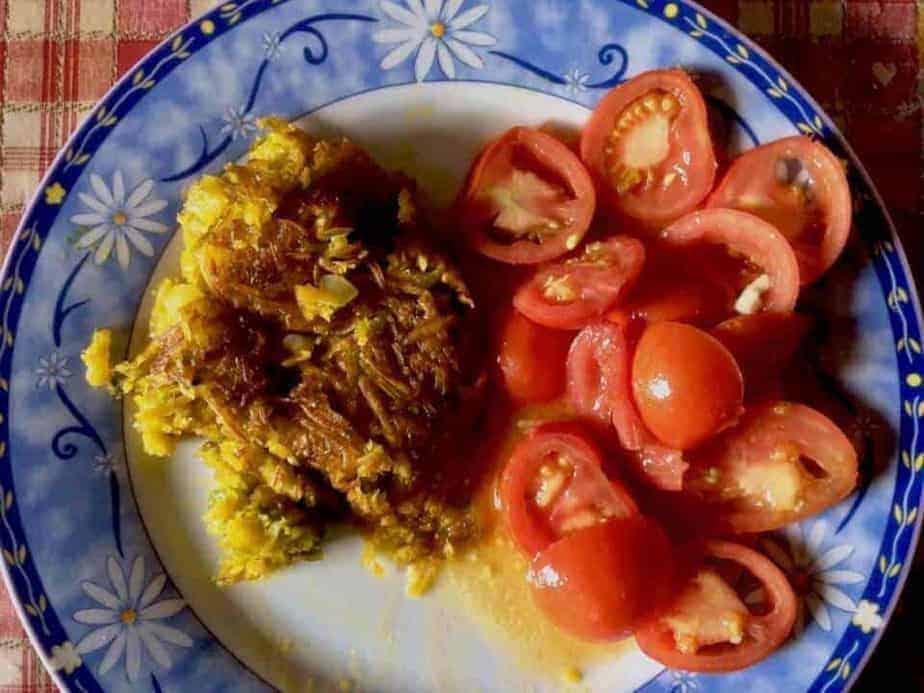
{"x":119,"y":218}
{"x":128,"y":617}
{"x":438,"y":29}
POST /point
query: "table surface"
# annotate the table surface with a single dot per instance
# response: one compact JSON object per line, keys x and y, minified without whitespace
{"x":859,"y":59}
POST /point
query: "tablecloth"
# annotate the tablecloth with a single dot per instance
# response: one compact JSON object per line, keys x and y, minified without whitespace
{"x":860,"y":59}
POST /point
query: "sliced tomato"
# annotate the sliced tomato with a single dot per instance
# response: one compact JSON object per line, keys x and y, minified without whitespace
{"x":669,"y":297}
{"x":599,"y":389}
{"x":659,"y":465}
{"x":753,"y":257}
{"x":553,"y":484}
{"x":686,"y":385}
{"x":598,"y":373}
{"x":600,"y":582}
{"x":527,"y":199}
{"x":782,"y":463}
{"x":648,"y":145}
{"x":569,"y":294}
{"x":709,"y":629}
{"x":532,"y":359}
{"x":800,"y":187}
{"x":763,"y":344}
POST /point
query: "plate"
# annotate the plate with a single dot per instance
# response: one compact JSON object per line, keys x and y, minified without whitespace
{"x":103,"y":549}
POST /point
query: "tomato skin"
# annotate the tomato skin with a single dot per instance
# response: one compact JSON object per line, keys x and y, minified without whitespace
{"x":764,"y":635}
{"x":762,"y":435}
{"x":600,"y":582}
{"x":686,"y":385}
{"x":532,"y":359}
{"x":752,"y":185}
{"x":763,"y":344}
{"x":497,"y":163}
{"x":599,"y":389}
{"x":674,"y":299}
{"x":597,"y":279}
{"x":533,"y":527}
{"x":598,"y":382}
{"x":689,"y":140}
{"x":749,"y":236}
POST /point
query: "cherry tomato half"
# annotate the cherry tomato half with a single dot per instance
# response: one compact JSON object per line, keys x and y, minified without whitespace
{"x":598,"y":382}
{"x":527,"y":199}
{"x":553,"y":484}
{"x":709,"y":629}
{"x":800,"y":187}
{"x":532,"y":359}
{"x":686,"y":385}
{"x":648,"y":145}
{"x":763,"y":344}
{"x":769,"y":272}
{"x":600,"y":582}
{"x":599,"y":389}
{"x":782,"y":463}
{"x":569,"y":294}
{"x":669,"y":297}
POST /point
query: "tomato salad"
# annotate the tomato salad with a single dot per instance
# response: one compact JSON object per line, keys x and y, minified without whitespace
{"x":657,"y":312}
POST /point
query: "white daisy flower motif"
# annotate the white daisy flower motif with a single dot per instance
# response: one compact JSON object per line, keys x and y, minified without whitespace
{"x":64,"y":657}
{"x":271,"y":44}
{"x":436,"y":30}
{"x":683,"y":682}
{"x":52,"y":371}
{"x":130,"y":620}
{"x":867,"y":617}
{"x":118,"y":218}
{"x":817,"y":575}
{"x":238,"y":124}
{"x":576,"y":80}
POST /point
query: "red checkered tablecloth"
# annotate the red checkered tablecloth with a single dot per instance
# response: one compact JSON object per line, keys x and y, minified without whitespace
{"x":860,"y":59}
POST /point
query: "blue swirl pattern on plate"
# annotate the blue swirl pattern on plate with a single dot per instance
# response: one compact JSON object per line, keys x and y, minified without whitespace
{"x":92,"y":592}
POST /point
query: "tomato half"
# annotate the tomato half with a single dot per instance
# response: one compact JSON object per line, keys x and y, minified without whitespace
{"x":599,"y":389}
{"x":709,"y":629}
{"x":753,"y":256}
{"x":669,"y":297}
{"x":600,"y":582}
{"x":553,"y":484}
{"x":571,"y":293}
{"x":598,"y":373}
{"x":527,"y":199}
{"x":532,"y":359}
{"x":648,"y":145}
{"x":686,"y":385}
{"x":763,"y":344}
{"x":782,"y":463}
{"x":800,"y":187}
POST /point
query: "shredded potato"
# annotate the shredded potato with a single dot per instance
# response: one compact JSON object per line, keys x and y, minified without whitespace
{"x":312,"y":340}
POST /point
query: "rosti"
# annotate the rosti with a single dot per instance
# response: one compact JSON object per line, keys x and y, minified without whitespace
{"x":314,"y":340}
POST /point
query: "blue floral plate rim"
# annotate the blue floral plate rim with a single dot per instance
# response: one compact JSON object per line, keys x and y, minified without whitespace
{"x":43,"y":204}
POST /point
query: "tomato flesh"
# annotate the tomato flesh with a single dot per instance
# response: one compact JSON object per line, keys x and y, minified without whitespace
{"x":527,"y":199}
{"x":553,"y":484}
{"x":571,"y":293}
{"x":672,"y":298}
{"x":600,"y":582}
{"x":532,"y":359}
{"x":708,"y":629}
{"x":800,"y":187}
{"x":686,"y":385}
{"x":648,"y":144}
{"x":755,"y":251}
{"x":707,"y":612}
{"x":782,"y":463}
